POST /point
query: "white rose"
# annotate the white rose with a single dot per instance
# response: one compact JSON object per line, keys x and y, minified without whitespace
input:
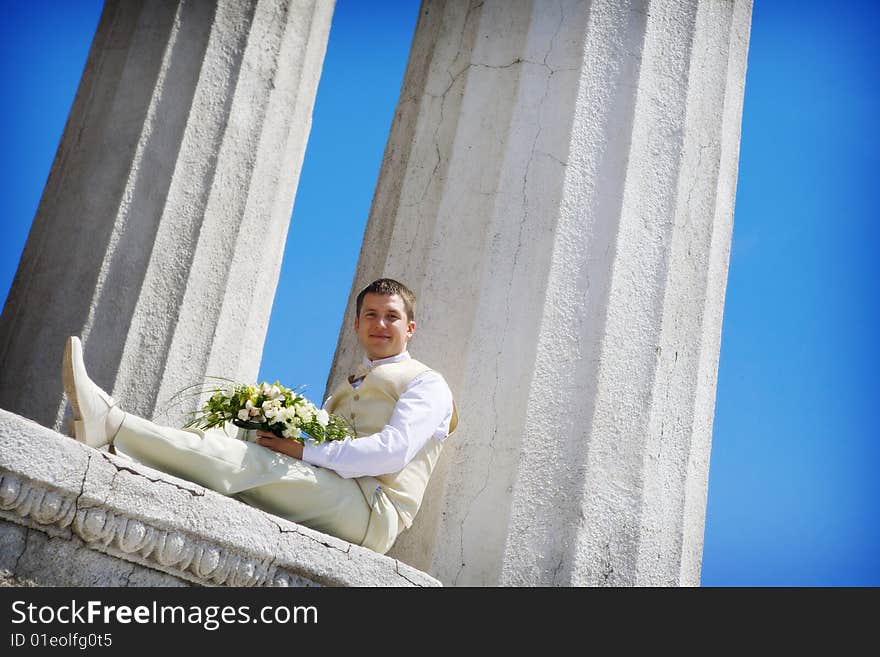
{"x":271,"y":408}
{"x":243,"y":414}
{"x":323,"y":417}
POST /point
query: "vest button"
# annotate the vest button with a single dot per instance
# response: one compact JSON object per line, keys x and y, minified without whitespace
{"x":352,"y":415}
{"x":356,"y":397}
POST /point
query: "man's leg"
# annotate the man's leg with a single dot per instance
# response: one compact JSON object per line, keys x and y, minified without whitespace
{"x":279,"y":484}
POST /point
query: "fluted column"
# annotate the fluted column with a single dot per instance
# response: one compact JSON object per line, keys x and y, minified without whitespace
{"x":558,"y":188}
{"x":161,"y":229}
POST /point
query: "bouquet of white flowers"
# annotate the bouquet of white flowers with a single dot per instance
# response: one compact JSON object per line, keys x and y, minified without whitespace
{"x":269,"y":407}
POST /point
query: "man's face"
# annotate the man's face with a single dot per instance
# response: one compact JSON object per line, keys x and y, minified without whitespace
{"x":382,"y":327}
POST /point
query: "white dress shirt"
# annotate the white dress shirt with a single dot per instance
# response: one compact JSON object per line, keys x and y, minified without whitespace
{"x":422,"y":412}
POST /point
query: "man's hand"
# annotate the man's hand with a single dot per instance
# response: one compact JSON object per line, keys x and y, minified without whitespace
{"x":290,"y":447}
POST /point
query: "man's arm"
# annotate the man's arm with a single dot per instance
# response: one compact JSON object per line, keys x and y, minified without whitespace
{"x":423,"y":411}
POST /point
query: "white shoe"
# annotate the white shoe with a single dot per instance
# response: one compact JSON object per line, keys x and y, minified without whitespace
{"x":96,"y":417}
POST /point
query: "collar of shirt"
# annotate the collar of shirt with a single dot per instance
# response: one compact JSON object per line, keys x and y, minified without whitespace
{"x":370,"y":364}
{"x":366,"y":365}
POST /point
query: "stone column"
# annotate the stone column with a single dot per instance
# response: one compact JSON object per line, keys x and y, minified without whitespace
{"x":558,"y":189}
{"x":161,"y":229}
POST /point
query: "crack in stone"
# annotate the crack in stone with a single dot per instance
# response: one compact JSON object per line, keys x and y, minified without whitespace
{"x":96,"y":577}
{"x":122,"y":468}
{"x":452,"y":80}
{"x":397,"y":569}
{"x":552,"y":157}
{"x":518,"y":60}
{"x":347,"y":549}
{"x":436,"y":135}
{"x":555,"y":34}
{"x":27,"y":535}
{"x":82,"y":485}
{"x":128,"y":576}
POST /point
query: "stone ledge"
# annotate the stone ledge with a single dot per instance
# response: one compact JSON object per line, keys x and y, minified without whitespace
{"x":156,"y":525}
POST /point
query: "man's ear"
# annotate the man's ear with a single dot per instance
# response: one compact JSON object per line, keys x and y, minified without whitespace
{"x":356,"y":324}
{"x":410,"y":328}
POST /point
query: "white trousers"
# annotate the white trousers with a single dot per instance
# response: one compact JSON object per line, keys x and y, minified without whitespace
{"x":284,"y":486}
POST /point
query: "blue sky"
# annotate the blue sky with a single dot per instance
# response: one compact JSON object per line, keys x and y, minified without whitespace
{"x":793,"y":490}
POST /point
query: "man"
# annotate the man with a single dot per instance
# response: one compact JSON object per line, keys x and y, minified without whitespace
{"x":364,"y":490}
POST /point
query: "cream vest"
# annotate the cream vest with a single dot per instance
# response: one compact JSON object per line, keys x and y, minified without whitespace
{"x":369,"y":409}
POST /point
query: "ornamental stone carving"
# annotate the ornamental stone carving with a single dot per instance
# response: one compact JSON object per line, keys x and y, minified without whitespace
{"x":34,"y":505}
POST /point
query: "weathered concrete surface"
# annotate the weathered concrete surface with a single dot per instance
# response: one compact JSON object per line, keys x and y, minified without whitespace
{"x":160,"y":232}
{"x":74,"y":516}
{"x":558,"y":188}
